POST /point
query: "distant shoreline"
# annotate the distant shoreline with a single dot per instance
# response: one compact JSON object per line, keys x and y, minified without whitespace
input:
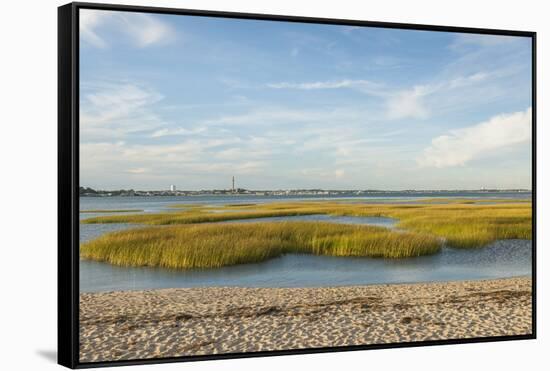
{"x":89,"y":192}
{"x":218,"y":320}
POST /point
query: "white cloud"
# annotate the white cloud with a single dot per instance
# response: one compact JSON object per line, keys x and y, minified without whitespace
{"x":412,"y":103}
{"x":339,"y":173}
{"x":323,"y":173}
{"x":362,"y":85}
{"x":177,"y":131}
{"x":142,"y":29}
{"x":400,"y":103}
{"x":113,"y":109}
{"x":464,"y":145}
{"x":462,"y":81}
{"x":89,"y":21}
{"x":130,"y":165}
{"x":147,"y":29}
{"x":408,"y":104}
{"x":139,"y":170}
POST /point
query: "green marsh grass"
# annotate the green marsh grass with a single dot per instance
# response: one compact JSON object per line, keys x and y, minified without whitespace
{"x":217,"y":245}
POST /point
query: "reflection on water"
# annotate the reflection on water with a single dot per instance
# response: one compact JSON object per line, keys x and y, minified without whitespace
{"x":505,"y":258}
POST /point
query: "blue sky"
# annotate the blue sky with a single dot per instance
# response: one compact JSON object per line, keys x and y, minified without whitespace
{"x":193,"y":101}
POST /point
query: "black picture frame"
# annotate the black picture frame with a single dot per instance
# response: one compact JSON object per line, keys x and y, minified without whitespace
{"x":68,"y":179}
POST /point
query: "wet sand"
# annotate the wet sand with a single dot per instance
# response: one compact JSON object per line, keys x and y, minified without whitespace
{"x":128,"y":325}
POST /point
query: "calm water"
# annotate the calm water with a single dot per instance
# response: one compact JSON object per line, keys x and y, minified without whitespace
{"x":501,"y":259}
{"x":161,"y":203}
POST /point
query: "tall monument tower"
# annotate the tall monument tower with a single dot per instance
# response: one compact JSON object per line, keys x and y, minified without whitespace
{"x":233,"y":185}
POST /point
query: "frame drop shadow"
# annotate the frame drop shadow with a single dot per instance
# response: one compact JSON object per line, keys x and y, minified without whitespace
{"x":49,"y":354}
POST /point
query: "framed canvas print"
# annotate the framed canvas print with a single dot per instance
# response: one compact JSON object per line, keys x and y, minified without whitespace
{"x":236,"y":185}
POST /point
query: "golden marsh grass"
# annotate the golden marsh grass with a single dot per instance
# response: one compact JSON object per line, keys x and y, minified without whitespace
{"x":217,"y":245}
{"x":110,"y":211}
{"x":461,"y":224}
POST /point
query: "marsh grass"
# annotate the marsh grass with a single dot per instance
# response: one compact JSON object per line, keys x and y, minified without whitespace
{"x":462,"y":224}
{"x":217,"y":245}
{"x":110,"y":211}
{"x":466,"y":201}
{"x":193,"y":217}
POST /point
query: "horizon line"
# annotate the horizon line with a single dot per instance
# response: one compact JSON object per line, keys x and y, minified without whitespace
{"x":313,"y":189}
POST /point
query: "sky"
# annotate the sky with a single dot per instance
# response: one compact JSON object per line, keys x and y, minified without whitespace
{"x":193,"y":101}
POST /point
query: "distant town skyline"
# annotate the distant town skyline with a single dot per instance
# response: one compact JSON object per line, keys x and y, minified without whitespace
{"x":234,"y":188}
{"x":237,"y":191}
{"x":172,"y":100}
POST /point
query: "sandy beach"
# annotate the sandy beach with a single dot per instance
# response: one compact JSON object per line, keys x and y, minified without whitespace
{"x":183,"y":322}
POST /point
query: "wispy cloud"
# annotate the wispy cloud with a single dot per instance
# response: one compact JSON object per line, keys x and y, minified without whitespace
{"x":320,"y":173}
{"x":408,"y":104}
{"x":419,"y":101}
{"x":461,"y":81}
{"x":311,"y":43}
{"x":89,"y":21}
{"x":113,"y":109}
{"x":188,"y":161}
{"x":139,"y":170}
{"x":142,"y":30}
{"x":267,"y":116}
{"x":462,"y":41}
{"x":177,"y":131}
{"x":461,"y":146}
{"x":400,"y":103}
{"x":362,"y":85}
